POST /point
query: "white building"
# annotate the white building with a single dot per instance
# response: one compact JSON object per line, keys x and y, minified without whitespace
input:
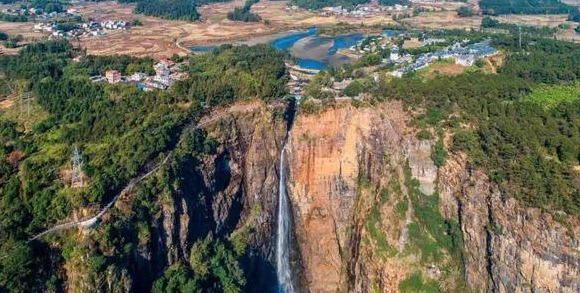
{"x":395,"y":54}
{"x":138,"y":76}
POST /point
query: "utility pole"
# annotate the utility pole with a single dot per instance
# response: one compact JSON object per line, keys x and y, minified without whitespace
{"x":77,"y":172}
{"x":520,"y":37}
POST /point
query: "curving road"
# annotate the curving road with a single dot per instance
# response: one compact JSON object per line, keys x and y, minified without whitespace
{"x":93,"y":220}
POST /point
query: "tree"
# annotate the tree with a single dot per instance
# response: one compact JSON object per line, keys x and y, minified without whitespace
{"x":465,"y":11}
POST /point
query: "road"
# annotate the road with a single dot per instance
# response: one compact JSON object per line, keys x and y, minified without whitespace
{"x":93,"y":220}
{"x":238,"y":108}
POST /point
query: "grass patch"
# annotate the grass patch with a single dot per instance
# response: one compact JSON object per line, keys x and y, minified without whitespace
{"x":415,"y":283}
{"x":372,"y":225}
{"x":550,"y":96}
{"x":441,"y":67}
{"x":401,"y":208}
{"x":432,"y":234}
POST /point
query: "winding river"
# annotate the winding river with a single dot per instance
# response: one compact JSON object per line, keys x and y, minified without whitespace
{"x":310,"y":50}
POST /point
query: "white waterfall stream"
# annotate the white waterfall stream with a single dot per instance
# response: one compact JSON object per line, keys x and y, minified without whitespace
{"x":283,"y":270}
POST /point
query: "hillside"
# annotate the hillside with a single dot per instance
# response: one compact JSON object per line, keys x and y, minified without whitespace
{"x":448,"y":183}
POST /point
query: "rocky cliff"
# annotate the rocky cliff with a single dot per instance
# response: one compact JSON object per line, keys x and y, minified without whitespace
{"x":354,"y":178}
{"x":508,"y":247}
{"x":230,"y":190}
{"x":371,"y":212}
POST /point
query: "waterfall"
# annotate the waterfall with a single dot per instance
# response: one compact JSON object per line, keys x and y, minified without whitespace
{"x":283,"y":270}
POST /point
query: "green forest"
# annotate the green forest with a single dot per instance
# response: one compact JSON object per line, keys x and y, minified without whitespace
{"x":526,"y":144}
{"x":499,"y":7}
{"x":243,"y":13}
{"x":119,"y":131}
{"x":178,"y":10}
{"x":309,"y":4}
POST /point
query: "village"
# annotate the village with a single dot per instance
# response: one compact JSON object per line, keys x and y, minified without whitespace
{"x":68,"y":23}
{"x":462,"y":53}
{"x":167,"y":72}
{"x":399,"y":61}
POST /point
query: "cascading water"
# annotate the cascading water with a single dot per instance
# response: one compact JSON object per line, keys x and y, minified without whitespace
{"x":283,"y":270}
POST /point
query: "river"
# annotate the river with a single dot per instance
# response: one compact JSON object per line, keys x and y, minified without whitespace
{"x":310,"y":50}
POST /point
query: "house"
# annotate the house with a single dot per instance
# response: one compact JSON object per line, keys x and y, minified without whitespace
{"x":138,"y":76}
{"x":113,"y":76}
{"x":163,"y":79}
{"x":395,"y":54}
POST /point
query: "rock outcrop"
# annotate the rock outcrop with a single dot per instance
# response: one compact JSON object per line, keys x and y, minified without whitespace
{"x":342,"y":160}
{"x":358,"y":181}
{"x":509,"y":247}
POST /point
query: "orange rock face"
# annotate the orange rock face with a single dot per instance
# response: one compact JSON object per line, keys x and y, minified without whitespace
{"x":328,"y":154}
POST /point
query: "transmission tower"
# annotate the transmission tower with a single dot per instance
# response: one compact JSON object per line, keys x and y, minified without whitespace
{"x":77,"y":172}
{"x":27,"y":102}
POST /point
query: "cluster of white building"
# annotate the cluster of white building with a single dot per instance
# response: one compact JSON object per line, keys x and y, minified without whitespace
{"x":166,"y":73}
{"x":361,"y":10}
{"x":463,"y":55}
{"x":87,"y":29}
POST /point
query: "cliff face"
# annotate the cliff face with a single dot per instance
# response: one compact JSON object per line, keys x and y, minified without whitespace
{"x":343,"y":163}
{"x":371,"y":212}
{"x":231,"y":190}
{"x":234,"y":189}
{"x":355,"y":222}
{"x":508,"y":247}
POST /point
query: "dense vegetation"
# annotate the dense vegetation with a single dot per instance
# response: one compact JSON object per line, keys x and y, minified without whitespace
{"x":168,"y":9}
{"x":243,"y":13}
{"x":393,"y":2}
{"x":490,"y":23}
{"x":119,"y":131}
{"x":529,"y":149}
{"x":465,"y":11}
{"x":499,"y":7}
{"x":13,"y":18}
{"x":180,"y":10}
{"x":318,"y":4}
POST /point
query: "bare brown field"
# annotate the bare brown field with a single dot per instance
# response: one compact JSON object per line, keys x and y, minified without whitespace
{"x":412,"y":43}
{"x":491,"y":64}
{"x":7,"y":103}
{"x":275,"y":12}
{"x":442,"y":68}
{"x":8,"y":51}
{"x":440,"y":6}
{"x":161,"y":38}
{"x":444,"y":20}
{"x":20,"y":28}
{"x":550,"y":20}
{"x":568,"y":35}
